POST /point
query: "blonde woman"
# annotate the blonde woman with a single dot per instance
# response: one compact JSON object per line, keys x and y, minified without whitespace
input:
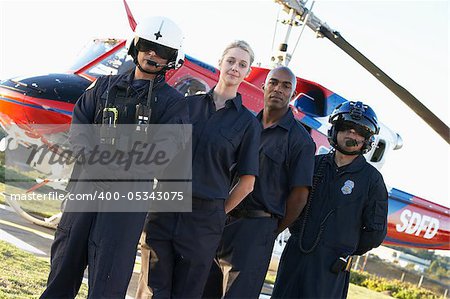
{"x":225,"y":136}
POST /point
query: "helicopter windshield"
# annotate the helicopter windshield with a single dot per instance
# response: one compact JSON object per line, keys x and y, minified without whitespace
{"x":112,"y":64}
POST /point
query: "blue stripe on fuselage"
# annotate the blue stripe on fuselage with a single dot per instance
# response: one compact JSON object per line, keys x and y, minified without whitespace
{"x":393,"y":240}
{"x":201,"y":64}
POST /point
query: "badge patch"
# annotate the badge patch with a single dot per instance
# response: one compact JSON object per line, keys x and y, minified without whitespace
{"x":348,"y":187}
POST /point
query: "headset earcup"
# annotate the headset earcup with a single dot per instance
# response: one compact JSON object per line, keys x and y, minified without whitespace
{"x":332,"y":136}
{"x":368,"y":144}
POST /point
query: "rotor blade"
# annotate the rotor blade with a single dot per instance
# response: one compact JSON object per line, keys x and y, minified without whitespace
{"x":131,"y":19}
{"x":412,"y":102}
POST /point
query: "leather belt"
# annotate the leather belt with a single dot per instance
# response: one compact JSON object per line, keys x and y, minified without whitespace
{"x":207,"y":204}
{"x":251,"y":214}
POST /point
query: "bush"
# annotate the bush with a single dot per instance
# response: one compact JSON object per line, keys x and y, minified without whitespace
{"x":396,"y":288}
{"x":357,"y":277}
{"x":414,"y":293}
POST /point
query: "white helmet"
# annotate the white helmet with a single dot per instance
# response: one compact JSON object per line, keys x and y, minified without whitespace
{"x":161,"y":31}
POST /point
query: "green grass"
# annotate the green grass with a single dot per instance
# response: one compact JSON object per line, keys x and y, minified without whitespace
{"x":22,"y":275}
{"x":42,"y":208}
{"x":21,"y":179}
{"x":354,"y":291}
{"x":358,"y":292}
{"x":19,"y":183}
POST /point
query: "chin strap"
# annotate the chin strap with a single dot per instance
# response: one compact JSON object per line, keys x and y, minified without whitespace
{"x":332,"y":139}
{"x":338,"y":148}
{"x":160,"y":72}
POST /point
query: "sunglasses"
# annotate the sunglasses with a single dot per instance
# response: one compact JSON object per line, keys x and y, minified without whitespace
{"x":162,"y":51}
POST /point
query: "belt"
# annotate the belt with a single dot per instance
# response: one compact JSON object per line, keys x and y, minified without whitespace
{"x":251,"y":214}
{"x":207,"y":204}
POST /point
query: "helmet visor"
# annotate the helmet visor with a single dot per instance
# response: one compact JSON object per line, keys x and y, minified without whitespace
{"x":164,"y":52}
{"x":349,"y":125}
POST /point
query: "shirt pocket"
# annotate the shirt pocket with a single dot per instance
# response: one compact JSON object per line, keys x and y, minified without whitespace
{"x":271,"y":164}
{"x":349,"y":192}
{"x":274,"y":155}
{"x":232,"y":136}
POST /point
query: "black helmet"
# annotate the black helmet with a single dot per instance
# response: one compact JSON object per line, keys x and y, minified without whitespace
{"x":356,"y":115}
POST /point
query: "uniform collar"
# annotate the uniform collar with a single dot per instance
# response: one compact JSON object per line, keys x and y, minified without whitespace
{"x":236,"y":101}
{"x":285,"y":122}
{"x":128,"y":79}
{"x":354,"y":166}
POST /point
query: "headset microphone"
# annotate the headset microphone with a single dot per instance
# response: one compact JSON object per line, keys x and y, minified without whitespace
{"x":351,"y":142}
{"x":155,"y":64}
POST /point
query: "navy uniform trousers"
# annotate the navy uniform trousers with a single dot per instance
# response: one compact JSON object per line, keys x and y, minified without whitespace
{"x":75,"y":246}
{"x":107,"y":241}
{"x":242,"y":259}
{"x":309,"y":275}
{"x":182,"y":248}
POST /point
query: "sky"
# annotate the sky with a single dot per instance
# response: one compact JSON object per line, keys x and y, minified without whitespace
{"x":408,"y":40}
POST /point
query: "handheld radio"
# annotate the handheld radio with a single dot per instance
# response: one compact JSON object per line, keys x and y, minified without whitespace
{"x":144,"y":111}
{"x":109,"y":121}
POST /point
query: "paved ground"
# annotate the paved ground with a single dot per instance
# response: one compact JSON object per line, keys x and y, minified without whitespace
{"x":37,"y":240}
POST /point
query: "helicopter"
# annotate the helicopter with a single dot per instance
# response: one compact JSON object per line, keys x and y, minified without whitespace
{"x":29,"y":104}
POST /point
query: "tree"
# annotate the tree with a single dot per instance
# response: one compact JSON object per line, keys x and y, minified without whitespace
{"x":433,"y":268}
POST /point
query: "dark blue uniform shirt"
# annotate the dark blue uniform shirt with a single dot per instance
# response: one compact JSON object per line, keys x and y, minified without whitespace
{"x":286,"y":160}
{"x":223,"y":139}
{"x":122,"y":91}
{"x":168,"y":105}
{"x":353,"y":199}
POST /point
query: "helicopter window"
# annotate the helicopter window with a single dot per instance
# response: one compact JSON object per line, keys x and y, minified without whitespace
{"x":110,"y":65}
{"x":190,"y":86}
{"x":126,"y":66}
{"x":322,"y":150}
{"x":332,"y":101}
{"x":93,"y":50}
{"x":379,"y":151}
{"x":311,"y":102}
